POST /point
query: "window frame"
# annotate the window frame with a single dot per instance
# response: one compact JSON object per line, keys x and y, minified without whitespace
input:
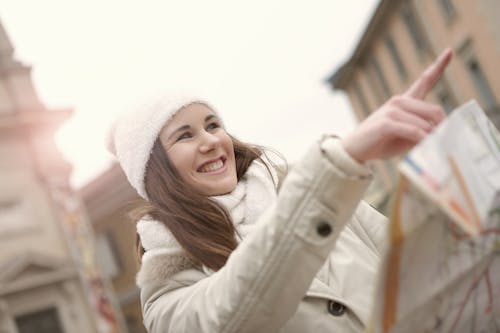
{"x":396,"y":58}
{"x":414,"y":29}
{"x":448,"y":10}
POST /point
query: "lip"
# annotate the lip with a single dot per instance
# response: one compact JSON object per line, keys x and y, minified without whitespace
{"x":221,"y":170}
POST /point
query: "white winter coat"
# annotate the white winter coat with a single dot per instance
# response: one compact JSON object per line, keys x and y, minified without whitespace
{"x":309,"y":266}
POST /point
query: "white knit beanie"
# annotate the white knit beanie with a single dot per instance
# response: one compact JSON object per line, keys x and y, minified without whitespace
{"x":132,"y":136}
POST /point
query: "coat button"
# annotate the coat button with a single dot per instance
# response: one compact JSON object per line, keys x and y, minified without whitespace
{"x":336,"y":309}
{"x":324,"y":229}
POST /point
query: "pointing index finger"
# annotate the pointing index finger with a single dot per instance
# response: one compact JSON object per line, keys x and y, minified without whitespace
{"x":421,"y":87}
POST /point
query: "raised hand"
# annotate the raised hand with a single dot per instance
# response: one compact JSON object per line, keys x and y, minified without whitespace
{"x":402,"y":121}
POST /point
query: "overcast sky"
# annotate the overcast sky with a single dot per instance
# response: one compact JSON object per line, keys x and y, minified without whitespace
{"x":262,"y":63}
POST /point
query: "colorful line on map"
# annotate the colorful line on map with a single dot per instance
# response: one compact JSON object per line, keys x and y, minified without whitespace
{"x":434,"y":184}
{"x":475,"y":220}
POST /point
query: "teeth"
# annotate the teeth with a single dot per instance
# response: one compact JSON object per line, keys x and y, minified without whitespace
{"x":212,"y":166}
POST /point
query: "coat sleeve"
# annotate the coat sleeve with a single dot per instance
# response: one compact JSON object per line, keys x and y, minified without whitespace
{"x":374,"y":228}
{"x":266,"y":277}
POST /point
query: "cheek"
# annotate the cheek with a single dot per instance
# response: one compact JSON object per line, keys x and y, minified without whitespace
{"x":182,"y":161}
{"x":228,"y":144}
{"x":230,"y":151}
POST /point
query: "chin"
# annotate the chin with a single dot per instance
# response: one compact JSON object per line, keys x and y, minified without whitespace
{"x":222,"y":188}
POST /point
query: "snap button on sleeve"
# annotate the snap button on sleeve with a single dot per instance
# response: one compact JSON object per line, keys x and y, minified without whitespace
{"x":335,"y":308}
{"x":324,"y":229}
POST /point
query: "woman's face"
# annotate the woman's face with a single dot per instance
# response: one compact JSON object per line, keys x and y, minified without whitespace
{"x":200,"y":150}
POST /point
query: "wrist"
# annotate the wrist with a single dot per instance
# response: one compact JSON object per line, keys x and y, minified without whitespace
{"x":332,"y":147}
{"x":351,"y":151}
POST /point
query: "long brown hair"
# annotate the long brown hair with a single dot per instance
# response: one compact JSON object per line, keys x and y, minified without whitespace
{"x":202,"y":227}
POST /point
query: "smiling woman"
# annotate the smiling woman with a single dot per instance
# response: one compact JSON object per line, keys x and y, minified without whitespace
{"x":198,"y":235}
{"x":222,"y":251}
{"x":200,"y":149}
{"x":193,"y":165}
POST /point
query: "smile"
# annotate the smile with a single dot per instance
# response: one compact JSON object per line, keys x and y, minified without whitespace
{"x":212,"y":167}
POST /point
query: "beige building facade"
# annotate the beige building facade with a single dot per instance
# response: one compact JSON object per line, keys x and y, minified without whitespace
{"x":108,"y":200}
{"x":48,"y":280}
{"x":402,"y":38}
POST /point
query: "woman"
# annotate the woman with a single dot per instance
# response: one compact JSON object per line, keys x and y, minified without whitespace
{"x":221,"y":251}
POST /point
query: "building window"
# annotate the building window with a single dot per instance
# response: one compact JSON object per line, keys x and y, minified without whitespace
{"x":374,"y":86}
{"x":361,"y":98}
{"x":108,"y":255}
{"x":45,"y":321}
{"x":411,"y":23}
{"x":473,"y":67}
{"x":381,"y":79}
{"x":393,"y":51}
{"x":481,"y":83}
{"x":448,"y":9}
{"x":16,"y":214}
{"x":444,"y":96}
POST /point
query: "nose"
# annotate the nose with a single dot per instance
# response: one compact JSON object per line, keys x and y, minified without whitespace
{"x":208,"y":142}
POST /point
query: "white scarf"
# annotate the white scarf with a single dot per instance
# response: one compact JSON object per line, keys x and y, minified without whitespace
{"x":255,"y":191}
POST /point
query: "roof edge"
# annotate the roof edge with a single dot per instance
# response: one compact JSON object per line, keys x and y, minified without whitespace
{"x":341,"y":75}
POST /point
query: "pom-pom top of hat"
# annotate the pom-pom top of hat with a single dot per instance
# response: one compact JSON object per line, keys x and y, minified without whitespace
{"x":133,"y":133}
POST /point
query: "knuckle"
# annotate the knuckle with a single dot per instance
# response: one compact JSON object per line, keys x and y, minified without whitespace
{"x":381,"y":126}
{"x":396,"y":100}
{"x":393,"y":113}
{"x":439,"y":112}
{"x":387,"y":126}
{"x":413,"y":133}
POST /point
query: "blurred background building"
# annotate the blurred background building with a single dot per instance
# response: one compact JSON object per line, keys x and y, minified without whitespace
{"x":49,"y":279}
{"x":402,"y":38}
{"x":108,"y":199}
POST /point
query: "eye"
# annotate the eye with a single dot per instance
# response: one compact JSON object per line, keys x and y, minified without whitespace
{"x":185,"y":135}
{"x":213,"y":125}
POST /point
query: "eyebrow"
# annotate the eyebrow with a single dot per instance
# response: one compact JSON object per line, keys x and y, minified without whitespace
{"x":185,"y":127}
